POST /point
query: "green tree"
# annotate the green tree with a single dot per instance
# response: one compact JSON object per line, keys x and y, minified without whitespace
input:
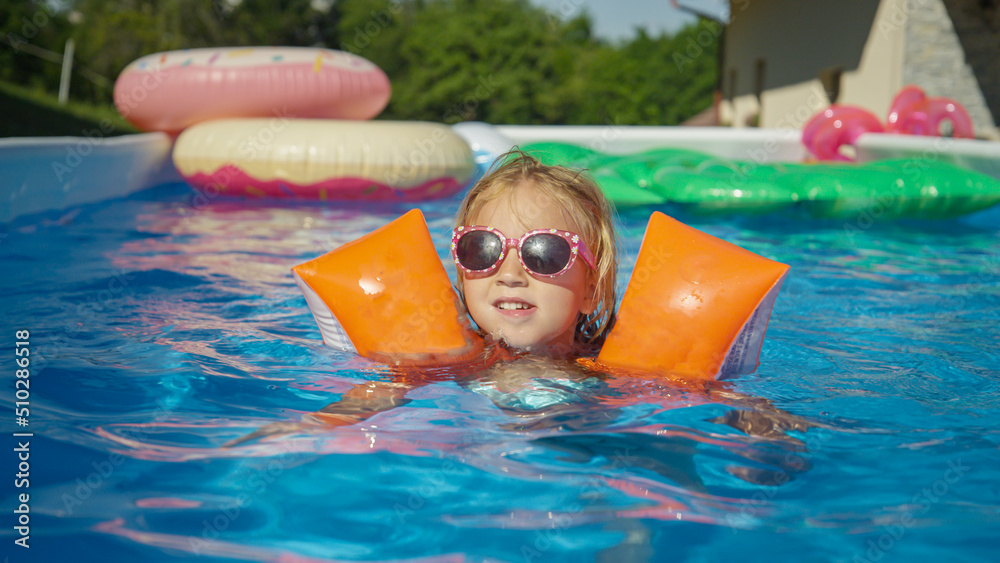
{"x":456,"y":60}
{"x":500,"y":61}
{"x":507,"y":61}
{"x":279,"y":22}
{"x":112,"y":33}
{"x":653,"y":81}
{"x":25,"y":28}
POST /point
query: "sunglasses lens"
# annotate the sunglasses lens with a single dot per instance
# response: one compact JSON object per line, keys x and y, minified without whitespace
{"x":478,"y":250}
{"x":546,"y":253}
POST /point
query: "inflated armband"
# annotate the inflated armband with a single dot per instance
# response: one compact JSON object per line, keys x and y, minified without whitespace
{"x":386,"y":296}
{"x":696,"y":306}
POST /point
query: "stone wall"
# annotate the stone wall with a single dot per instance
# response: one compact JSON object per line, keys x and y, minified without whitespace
{"x":977,"y":23}
{"x":934,"y":59}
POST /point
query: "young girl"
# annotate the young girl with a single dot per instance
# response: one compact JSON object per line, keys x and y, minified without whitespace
{"x":537,"y":260}
{"x":536,"y":255}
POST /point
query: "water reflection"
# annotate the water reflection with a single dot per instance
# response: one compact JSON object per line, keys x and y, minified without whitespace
{"x":639,"y":448}
{"x":213,"y":328}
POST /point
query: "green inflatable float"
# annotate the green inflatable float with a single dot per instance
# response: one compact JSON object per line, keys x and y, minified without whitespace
{"x":701,"y":183}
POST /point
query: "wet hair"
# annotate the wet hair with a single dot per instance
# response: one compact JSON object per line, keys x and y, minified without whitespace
{"x":580,"y":197}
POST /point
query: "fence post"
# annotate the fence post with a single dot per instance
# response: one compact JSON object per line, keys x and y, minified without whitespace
{"x":67,"y":66}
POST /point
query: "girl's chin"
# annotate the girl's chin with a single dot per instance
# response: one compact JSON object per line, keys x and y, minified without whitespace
{"x":534,"y":346}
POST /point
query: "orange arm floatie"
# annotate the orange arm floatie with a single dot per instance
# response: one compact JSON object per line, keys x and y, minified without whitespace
{"x":386,"y":296}
{"x":696,"y":307}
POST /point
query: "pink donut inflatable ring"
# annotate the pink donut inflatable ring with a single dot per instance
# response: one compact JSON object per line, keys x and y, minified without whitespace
{"x":913,"y":113}
{"x":173,"y":90}
{"x":835,"y":127}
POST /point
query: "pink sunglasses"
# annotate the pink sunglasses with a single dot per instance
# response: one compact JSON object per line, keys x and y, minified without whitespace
{"x":542,"y":252}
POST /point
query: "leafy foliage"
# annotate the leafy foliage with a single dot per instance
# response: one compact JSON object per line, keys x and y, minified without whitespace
{"x":24,"y":24}
{"x":499,"y":61}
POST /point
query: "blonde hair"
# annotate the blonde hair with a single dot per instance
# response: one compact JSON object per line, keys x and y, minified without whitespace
{"x":577,"y":193}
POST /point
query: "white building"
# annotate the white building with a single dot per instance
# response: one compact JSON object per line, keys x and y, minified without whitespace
{"x":784,"y":60}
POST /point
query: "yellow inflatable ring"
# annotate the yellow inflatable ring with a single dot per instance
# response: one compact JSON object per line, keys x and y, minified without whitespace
{"x":324,"y":159}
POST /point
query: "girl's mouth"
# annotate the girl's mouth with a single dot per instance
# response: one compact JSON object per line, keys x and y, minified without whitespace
{"x":513,"y":307}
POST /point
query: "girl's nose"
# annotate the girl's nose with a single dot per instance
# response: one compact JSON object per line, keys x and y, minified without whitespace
{"x":511,"y":273}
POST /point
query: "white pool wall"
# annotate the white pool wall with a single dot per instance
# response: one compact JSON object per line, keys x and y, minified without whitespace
{"x":759,"y":145}
{"x":974,"y":154}
{"x":40,"y":174}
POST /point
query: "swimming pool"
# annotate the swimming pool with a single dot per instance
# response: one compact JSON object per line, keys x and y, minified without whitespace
{"x":162,"y":325}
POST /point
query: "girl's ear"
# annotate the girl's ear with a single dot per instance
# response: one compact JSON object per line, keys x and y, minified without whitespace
{"x":590,"y":298}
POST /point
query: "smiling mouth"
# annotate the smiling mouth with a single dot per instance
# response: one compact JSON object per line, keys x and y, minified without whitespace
{"x":509,"y":306}
{"x":513,"y":308}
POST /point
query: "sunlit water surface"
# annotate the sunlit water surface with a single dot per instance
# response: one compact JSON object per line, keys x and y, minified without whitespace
{"x":160,"y":330}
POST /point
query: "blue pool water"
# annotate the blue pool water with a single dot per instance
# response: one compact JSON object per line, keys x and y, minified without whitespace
{"x":162,"y":327}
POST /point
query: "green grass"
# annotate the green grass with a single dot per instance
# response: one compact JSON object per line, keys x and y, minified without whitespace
{"x":31,"y":113}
